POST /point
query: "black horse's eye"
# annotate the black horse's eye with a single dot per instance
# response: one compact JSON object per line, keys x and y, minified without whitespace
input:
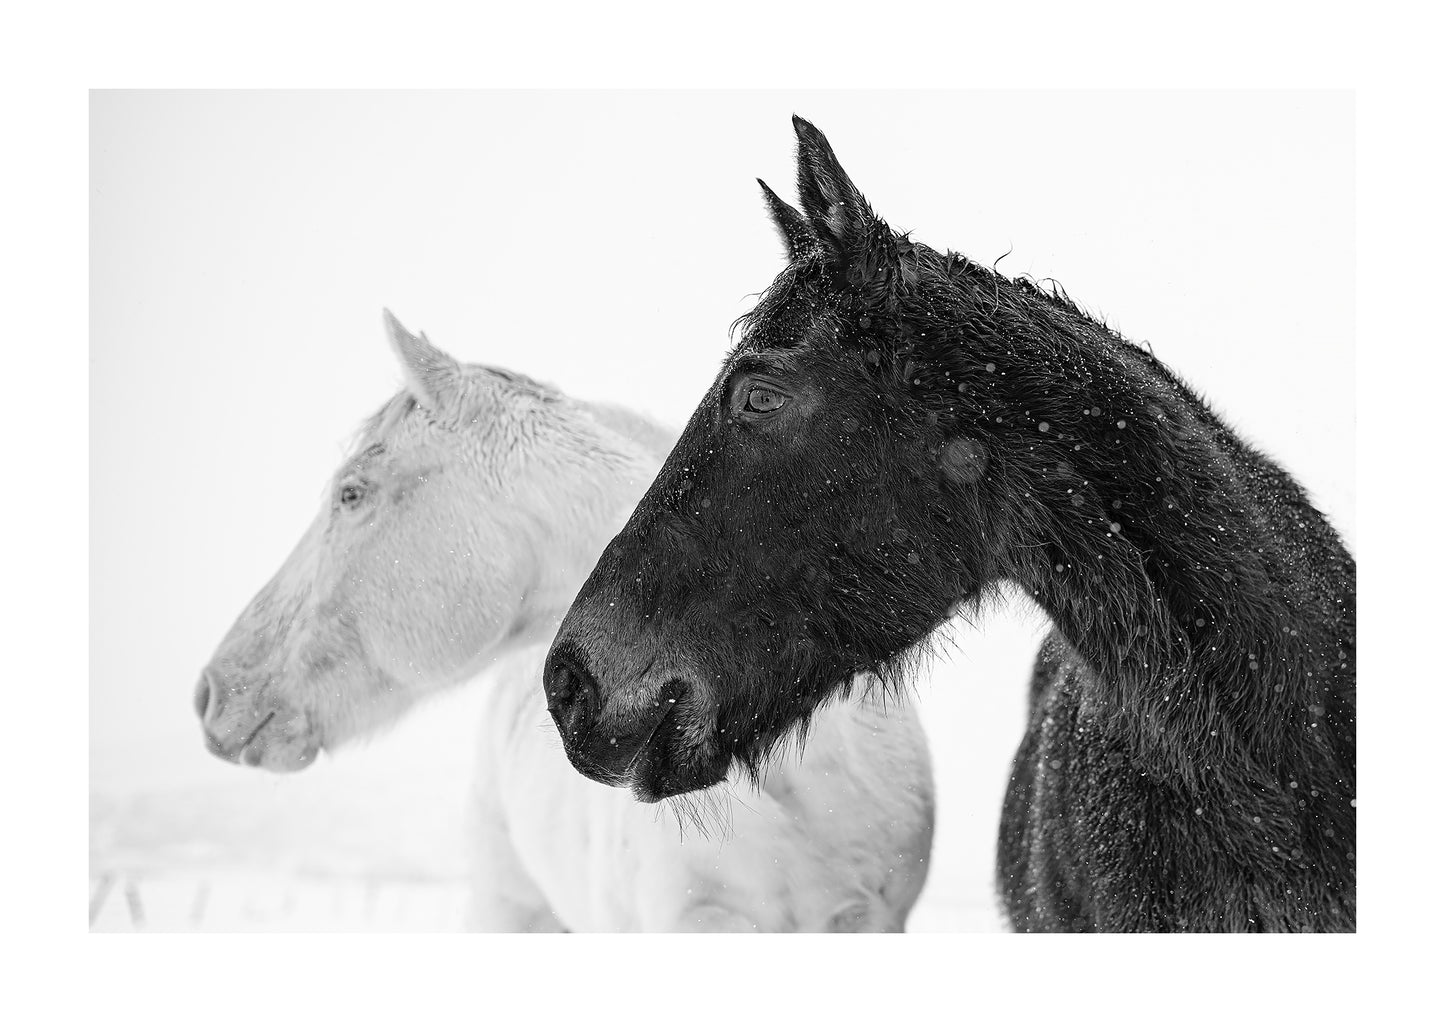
{"x":765,"y":399}
{"x":350,"y":495}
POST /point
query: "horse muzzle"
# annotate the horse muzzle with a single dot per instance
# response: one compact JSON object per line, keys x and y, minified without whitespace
{"x":256,"y":731}
{"x":639,"y":742}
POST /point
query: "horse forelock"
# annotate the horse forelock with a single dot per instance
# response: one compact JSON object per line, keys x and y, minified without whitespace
{"x":750,"y":329}
{"x":374,"y":431}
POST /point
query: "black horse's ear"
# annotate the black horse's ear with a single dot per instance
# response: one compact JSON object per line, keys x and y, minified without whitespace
{"x":840,"y":216}
{"x":797,"y":235}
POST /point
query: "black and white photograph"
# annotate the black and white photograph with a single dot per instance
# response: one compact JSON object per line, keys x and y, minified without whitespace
{"x":565,"y":507}
{"x":735,"y":512}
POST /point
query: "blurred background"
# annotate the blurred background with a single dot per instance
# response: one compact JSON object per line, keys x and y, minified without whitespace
{"x":243,"y":245}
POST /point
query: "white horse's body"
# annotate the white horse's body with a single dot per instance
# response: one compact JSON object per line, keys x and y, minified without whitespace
{"x":451,"y":546}
{"x":836,"y":840}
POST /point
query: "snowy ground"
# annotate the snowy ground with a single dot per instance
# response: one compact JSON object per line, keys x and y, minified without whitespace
{"x":372,"y":840}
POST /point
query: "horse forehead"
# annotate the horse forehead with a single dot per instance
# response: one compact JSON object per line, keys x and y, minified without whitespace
{"x":789,"y":329}
{"x":788,"y":345}
{"x":764,"y":359}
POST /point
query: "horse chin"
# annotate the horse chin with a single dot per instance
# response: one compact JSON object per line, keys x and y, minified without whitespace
{"x":665,"y":770}
{"x":285,"y":757}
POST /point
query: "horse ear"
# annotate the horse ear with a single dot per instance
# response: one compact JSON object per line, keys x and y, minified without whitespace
{"x":793,"y":227}
{"x":839,"y":214}
{"x":431,"y":374}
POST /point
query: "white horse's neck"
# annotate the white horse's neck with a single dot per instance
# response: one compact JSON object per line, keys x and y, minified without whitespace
{"x":596,"y":494}
{"x":635,"y":428}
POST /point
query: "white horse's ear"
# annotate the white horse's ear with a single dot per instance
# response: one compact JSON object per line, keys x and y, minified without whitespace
{"x":431,"y":374}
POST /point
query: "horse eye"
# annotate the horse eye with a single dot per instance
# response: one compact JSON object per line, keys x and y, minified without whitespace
{"x":350,"y":495}
{"x":761,"y":399}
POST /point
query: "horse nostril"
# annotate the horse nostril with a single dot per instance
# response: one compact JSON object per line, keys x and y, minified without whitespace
{"x":203,"y":696}
{"x":571,"y":696}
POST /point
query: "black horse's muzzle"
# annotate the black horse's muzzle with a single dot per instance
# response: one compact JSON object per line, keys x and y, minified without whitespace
{"x":636,"y":742}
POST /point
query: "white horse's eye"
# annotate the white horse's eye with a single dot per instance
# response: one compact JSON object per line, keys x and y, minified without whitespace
{"x":765,"y":399}
{"x":350,"y":495}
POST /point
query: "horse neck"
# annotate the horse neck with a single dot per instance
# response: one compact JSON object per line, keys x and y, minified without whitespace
{"x":633,"y":428}
{"x":596,"y":479}
{"x":1213,"y":602}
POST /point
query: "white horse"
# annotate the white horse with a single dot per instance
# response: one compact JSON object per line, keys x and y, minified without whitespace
{"x":451,"y":543}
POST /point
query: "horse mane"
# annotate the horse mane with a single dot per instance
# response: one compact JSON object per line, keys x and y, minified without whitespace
{"x":375,"y":428}
{"x":520,"y":381}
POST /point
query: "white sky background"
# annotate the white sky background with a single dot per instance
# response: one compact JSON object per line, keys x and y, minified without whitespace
{"x":242,"y":246}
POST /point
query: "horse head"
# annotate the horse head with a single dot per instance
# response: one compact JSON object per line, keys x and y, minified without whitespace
{"x":455,"y":531}
{"x":804,"y":528}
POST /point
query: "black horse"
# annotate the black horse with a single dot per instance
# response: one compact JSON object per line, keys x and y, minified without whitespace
{"x":898,"y":432}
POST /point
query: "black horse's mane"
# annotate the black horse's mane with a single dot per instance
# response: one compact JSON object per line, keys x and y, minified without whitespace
{"x":922,"y":266}
{"x":934,"y":296}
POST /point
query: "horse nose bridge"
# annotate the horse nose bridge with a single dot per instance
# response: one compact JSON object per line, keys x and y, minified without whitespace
{"x":277,"y":617}
{"x":630,"y":651}
{"x":642,"y":695}
{"x":275,"y":631}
